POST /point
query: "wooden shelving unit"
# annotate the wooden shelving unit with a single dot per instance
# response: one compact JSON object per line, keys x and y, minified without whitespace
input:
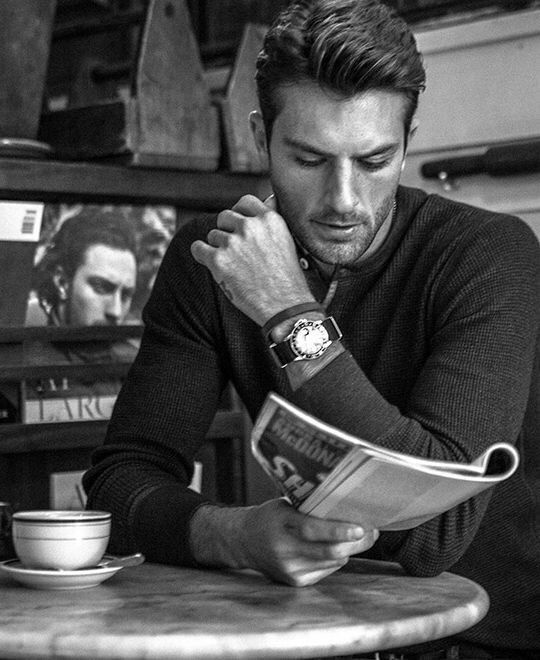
{"x":29,"y":452}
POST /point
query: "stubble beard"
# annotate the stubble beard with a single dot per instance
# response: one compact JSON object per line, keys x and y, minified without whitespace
{"x":343,"y":253}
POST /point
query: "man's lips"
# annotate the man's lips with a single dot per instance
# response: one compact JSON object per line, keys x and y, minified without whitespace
{"x":336,"y":226}
{"x":336,"y":233}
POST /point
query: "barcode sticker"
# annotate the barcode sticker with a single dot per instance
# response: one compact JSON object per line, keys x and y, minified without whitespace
{"x":20,"y":221}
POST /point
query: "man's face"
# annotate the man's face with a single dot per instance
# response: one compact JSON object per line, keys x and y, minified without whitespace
{"x":101,"y":290}
{"x":335,"y":166}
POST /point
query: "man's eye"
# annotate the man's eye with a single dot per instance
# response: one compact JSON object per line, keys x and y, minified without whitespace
{"x":102,"y":287}
{"x":309,"y":162}
{"x":374,"y":165}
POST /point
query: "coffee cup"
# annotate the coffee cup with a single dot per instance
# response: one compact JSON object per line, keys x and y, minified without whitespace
{"x":61,"y":540}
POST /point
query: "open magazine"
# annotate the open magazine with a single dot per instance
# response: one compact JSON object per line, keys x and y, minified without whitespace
{"x":331,"y":474}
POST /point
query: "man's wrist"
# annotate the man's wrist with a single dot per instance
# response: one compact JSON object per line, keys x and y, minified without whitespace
{"x":216,"y":537}
{"x":301,"y":370}
{"x":288,"y":313}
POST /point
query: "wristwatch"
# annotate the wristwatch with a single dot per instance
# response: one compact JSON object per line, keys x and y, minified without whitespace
{"x":307,"y":340}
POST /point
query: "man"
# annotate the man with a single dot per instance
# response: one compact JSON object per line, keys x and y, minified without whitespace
{"x":88,"y":274}
{"x":437,"y":302}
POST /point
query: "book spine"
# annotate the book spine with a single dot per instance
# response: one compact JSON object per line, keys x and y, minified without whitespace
{"x":48,"y":402}
{"x":68,"y":409}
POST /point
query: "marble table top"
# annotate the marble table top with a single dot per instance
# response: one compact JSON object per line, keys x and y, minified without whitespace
{"x":156,"y":611}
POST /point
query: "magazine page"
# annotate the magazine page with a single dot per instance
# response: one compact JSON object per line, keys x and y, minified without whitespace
{"x":388,"y":495}
{"x":293,"y":452}
{"x":365,"y":483}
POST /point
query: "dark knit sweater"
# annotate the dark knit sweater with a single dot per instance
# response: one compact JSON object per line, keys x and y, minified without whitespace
{"x":441,"y":329}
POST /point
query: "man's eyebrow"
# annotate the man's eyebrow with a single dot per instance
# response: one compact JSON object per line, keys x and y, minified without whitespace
{"x":304,"y":146}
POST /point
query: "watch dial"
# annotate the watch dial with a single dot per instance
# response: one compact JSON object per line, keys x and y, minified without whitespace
{"x":309,"y":340}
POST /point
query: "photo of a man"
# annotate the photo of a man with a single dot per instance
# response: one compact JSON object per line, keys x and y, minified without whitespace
{"x":88,"y":273}
{"x":96,"y":264}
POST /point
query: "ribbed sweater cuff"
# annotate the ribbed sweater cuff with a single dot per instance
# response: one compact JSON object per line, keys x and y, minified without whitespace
{"x":162,"y":524}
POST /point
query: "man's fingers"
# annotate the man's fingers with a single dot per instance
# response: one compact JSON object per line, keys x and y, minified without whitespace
{"x":332,"y":552}
{"x":229,"y":220}
{"x":314,"y":529}
{"x":304,"y":577}
{"x":217,"y":238}
{"x":246,"y":209}
{"x":249,"y":205}
{"x":202,"y":252}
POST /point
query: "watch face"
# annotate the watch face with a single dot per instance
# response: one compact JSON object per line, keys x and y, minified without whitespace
{"x":309,"y":339}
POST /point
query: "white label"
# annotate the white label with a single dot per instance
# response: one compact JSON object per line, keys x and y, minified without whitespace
{"x":68,"y":409}
{"x":21,"y":221}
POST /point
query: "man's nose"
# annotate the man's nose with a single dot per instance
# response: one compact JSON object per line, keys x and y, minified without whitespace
{"x":340,"y":188}
{"x":114,"y":310}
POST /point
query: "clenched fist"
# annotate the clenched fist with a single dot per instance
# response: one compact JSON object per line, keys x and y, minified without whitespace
{"x":252,"y":257}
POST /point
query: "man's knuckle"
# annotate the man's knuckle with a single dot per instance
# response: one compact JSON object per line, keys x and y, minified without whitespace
{"x":308,"y":530}
{"x":337,"y":551}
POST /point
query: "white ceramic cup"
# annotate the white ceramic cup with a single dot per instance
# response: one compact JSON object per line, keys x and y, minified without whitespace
{"x":65,"y":540}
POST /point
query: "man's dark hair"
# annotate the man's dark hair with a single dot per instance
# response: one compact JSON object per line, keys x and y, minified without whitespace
{"x":346,"y":46}
{"x":91,"y":226}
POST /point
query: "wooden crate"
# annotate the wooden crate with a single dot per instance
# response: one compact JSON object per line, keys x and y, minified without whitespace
{"x":167,"y":120}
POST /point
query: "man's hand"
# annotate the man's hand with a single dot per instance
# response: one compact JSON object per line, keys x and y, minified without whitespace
{"x":275,"y":539}
{"x":252,"y":257}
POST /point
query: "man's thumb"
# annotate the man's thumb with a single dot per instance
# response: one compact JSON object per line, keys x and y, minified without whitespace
{"x":270,"y":201}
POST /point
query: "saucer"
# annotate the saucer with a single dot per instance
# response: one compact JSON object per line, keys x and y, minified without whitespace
{"x":82,"y":578}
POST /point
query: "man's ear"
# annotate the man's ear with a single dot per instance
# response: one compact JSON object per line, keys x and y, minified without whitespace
{"x":61,"y":283}
{"x":410,"y":135}
{"x":413,"y":129}
{"x":256,"y":124}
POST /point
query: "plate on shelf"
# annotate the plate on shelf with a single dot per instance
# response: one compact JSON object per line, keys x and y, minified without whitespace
{"x":24,"y":148}
{"x":82,"y":578}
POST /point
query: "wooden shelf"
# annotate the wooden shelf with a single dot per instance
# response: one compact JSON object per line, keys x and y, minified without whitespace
{"x":49,"y":180}
{"x":23,"y":438}
{"x":81,"y":371}
{"x":14,"y":365}
{"x":17,"y":334}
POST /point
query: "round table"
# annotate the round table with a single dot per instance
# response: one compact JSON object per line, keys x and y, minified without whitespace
{"x":156,"y":611}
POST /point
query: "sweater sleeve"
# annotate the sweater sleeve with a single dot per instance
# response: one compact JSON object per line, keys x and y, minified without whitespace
{"x":482,"y":321}
{"x":162,"y":414}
